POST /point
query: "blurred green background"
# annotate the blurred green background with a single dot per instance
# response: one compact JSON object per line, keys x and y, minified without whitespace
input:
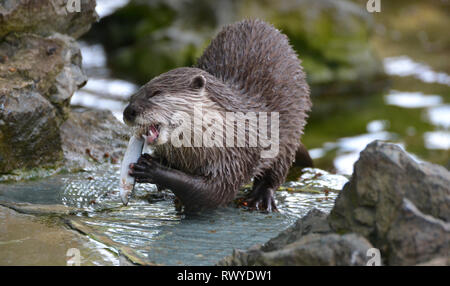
{"x":373,"y":76}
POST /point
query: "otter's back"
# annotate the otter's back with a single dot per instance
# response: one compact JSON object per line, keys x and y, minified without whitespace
{"x":254,"y":58}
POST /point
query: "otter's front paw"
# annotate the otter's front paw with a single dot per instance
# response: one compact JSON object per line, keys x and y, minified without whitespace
{"x":144,"y":171}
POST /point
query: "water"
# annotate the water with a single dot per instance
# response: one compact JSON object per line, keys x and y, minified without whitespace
{"x":153,"y":230}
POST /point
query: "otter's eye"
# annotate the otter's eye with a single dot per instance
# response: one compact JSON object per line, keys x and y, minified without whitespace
{"x":154,"y":93}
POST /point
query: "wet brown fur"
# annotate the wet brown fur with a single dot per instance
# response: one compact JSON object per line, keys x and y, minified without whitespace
{"x":249,"y":66}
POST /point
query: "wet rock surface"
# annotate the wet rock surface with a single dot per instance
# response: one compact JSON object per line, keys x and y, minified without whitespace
{"x":314,"y":222}
{"x":392,"y":203}
{"x":39,"y":72}
{"x":46,"y":17}
{"x":30,"y":240}
{"x":417,"y":238}
{"x":37,"y":78}
{"x":309,"y":241}
{"x":90,"y":137}
{"x":373,"y":202}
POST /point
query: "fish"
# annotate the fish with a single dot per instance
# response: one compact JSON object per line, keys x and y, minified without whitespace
{"x":132,"y":154}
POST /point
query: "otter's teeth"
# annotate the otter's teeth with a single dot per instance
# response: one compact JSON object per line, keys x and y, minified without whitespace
{"x":152,"y":134}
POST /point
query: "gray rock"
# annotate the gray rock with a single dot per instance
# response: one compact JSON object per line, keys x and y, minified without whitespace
{"x":399,"y":205}
{"x":46,"y":17}
{"x":43,"y":240}
{"x":40,"y":69}
{"x":315,"y":221}
{"x":438,"y":261}
{"x":90,"y":137}
{"x":417,"y":238}
{"x":312,"y":249}
{"x":37,"y":78}
{"x":50,"y":66}
{"x":372,"y":203}
{"x":308,"y":242}
{"x":24,"y":118}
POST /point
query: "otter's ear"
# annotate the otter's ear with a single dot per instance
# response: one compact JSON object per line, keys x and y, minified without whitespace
{"x":198,"y":82}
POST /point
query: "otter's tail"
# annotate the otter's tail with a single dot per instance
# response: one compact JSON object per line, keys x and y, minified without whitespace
{"x":302,"y":158}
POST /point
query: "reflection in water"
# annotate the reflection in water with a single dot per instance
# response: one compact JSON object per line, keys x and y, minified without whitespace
{"x":412,"y":99}
{"x":440,"y":115}
{"x":350,"y":147}
{"x":437,"y":140}
{"x":93,"y":56}
{"x":404,"y":66}
{"x":377,"y":126}
{"x":107,"y":7}
{"x":88,"y":99}
{"x":404,"y":117}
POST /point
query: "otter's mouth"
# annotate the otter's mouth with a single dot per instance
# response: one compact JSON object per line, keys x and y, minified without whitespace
{"x":152,"y":133}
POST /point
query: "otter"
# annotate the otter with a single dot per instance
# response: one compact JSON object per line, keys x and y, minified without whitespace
{"x":248,"y":66}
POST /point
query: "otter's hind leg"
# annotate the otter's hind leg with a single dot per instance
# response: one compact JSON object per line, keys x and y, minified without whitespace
{"x":262,"y":196}
{"x":264,"y":186}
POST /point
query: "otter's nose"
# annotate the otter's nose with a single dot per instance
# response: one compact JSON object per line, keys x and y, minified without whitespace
{"x":129,"y":114}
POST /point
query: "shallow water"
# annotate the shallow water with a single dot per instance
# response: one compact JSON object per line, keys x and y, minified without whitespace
{"x":152,"y":228}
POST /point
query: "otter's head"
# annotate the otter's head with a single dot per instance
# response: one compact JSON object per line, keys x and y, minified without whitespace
{"x":152,"y":109}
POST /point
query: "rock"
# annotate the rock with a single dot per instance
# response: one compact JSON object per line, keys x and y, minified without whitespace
{"x":310,"y":250}
{"x":41,"y":209}
{"x":417,"y":238}
{"x":127,"y":255}
{"x":46,"y":17}
{"x":331,"y":37}
{"x":439,"y":261}
{"x":50,"y":66}
{"x":28,"y":240}
{"x":90,"y":137}
{"x":308,"y":242}
{"x":396,"y":204}
{"x":37,"y":79}
{"x":313,"y":222}
{"x":372,"y":204}
{"x":39,"y":72}
{"x":28,"y":132}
